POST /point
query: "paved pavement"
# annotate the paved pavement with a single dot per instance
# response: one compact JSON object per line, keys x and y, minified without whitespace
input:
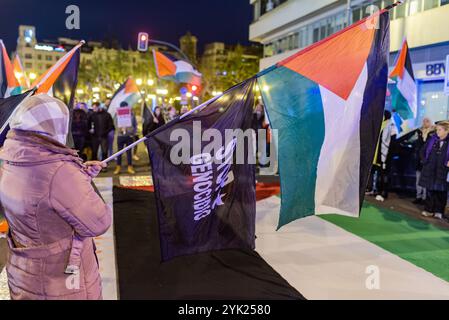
{"x":405,"y":205}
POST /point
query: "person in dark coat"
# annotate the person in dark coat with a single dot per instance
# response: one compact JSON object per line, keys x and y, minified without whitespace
{"x":158,"y":120}
{"x":80,"y":130}
{"x":425,"y":132}
{"x":435,"y":159}
{"x":100,"y":124}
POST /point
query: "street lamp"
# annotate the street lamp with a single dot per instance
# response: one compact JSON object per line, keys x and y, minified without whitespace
{"x":33,"y":76}
{"x":139,"y":82}
{"x":150,"y":82}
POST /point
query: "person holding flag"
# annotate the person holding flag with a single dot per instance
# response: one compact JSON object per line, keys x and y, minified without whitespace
{"x":59,"y":198}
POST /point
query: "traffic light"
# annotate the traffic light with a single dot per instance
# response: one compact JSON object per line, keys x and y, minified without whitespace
{"x":142,"y":42}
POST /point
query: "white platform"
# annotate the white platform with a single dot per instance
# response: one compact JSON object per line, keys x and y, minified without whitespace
{"x":323,"y":261}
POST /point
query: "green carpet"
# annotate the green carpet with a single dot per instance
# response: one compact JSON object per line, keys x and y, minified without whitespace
{"x":416,"y":241}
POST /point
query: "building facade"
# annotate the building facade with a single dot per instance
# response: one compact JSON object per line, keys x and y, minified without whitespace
{"x":188,"y":44}
{"x":216,"y":57}
{"x":285,"y":27}
{"x":38,"y":56}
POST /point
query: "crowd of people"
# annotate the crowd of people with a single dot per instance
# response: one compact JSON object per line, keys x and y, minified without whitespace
{"x":95,"y":130}
{"x":431,"y":153}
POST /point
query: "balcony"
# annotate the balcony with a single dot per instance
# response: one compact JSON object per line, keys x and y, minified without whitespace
{"x":280,"y":15}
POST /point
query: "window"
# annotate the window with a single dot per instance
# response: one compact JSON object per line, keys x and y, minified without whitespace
{"x":48,"y":58}
{"x":414,"y":6}
{"x":316,"y":34}
{"x":28,"y":65}
{"x":39,"y":57}
{"x":400,"y":11}
{"x":443,"y":2}
{"x":432,"y":103}
{"x":28,"y":56}
{"x":48,"y":66}
{"x":302,"y":38}
{"x":429,"y":4}
{"x":356,"y":15}
{"x":256,"y":10}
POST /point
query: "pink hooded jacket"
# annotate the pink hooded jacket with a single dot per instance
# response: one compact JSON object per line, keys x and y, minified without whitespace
{"x":53,"y":212}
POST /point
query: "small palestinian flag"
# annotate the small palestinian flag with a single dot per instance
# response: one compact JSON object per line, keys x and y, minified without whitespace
{"x":128,"y":92}
{"x":9,"y":85}
{"x":404,"y":96}
{"x":170,"y":68}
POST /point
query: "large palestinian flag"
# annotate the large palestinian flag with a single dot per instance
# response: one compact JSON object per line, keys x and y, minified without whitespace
{"x":404,"y":95}
{"x":327,"y":102}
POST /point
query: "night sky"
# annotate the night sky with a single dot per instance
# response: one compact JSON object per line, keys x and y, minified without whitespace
{"x":210,"y":20}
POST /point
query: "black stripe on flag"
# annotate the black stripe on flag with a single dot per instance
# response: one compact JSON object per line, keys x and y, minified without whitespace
{"x":374,"y":100}
{"x":204,"y":206}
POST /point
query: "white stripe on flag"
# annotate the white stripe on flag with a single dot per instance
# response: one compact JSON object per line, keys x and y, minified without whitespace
{"x":119,"y":98}
{"x":338,"y":172}
{"x":407,"y":87}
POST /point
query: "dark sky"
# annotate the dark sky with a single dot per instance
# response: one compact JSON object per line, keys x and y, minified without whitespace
{"x":210,"y":20}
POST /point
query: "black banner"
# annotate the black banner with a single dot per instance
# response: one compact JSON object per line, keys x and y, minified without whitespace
{"x":205,"y":197}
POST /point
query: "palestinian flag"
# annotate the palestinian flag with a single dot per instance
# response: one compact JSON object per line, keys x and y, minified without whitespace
{"x":7,"y":108}
{"x":207,"y":201}
{"x":128,"y":92}
{"x":8,"y":83}
{"x":19,"y":72}
{"x":171,"y":68}
{"x":61,"y":81}
{"x":327,"y":102}
{"x":404,"y":94}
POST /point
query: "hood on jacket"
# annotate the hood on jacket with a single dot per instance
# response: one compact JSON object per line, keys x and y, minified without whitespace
{"x":44,"y":115}
{"x":28,"y":148}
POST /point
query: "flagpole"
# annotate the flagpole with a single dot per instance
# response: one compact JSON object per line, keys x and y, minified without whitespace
{"x":119,"y":153}
{"x":58,"y":63}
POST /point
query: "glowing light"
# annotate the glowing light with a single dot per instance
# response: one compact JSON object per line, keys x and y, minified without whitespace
{"x":95,"y":89}
{"x":194,"y":88}
{"x":18,"y":74}
{"x":109,"y":95}
{"x":178,"y":98}
{"x":150,"y":82}
{"x":195,"y":99}
{"x":266,"y":88}
{"x":139,"y":82}
{"x":33,"y":76}
{"x":162,"y":92}
{"x":80,"y":91}
{"x":189,"y":95}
